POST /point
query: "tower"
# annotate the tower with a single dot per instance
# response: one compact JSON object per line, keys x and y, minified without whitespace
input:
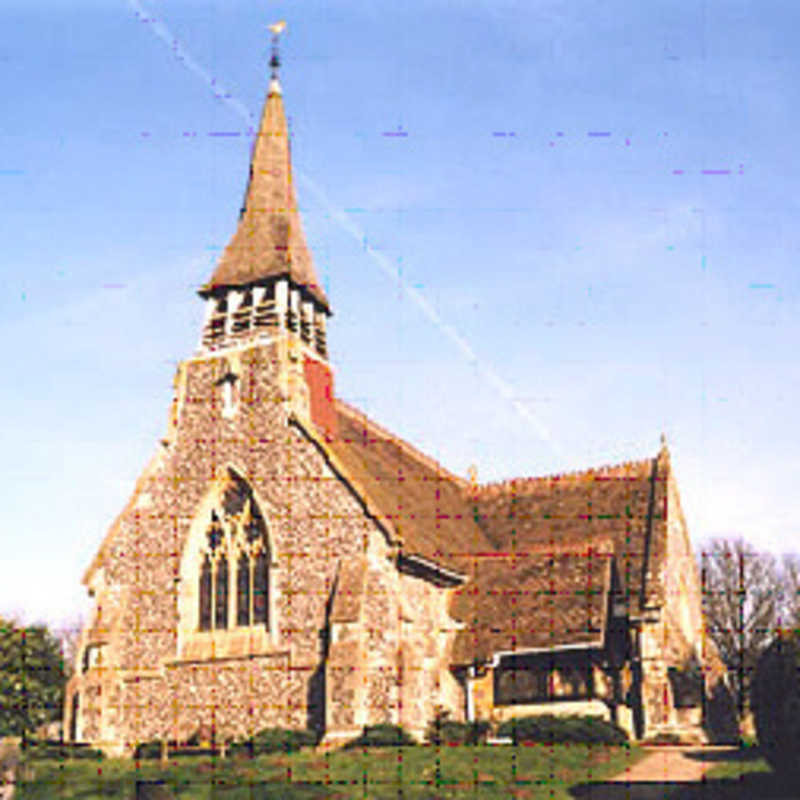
{"x":265,"y":288}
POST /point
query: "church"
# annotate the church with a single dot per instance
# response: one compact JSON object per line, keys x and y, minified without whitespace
{"x":285,"y":561}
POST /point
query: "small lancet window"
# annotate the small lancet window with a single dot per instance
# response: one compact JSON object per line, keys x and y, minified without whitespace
{"x":221,"y":599}
{"x":205,"y":594}
{"x":261,"y":590}
{"x":243,"y":590}
{"x":228,"y":384}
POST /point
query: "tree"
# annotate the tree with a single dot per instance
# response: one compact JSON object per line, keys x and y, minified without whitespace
{"x":31,"y":678}
{"x":742,"y":599}
{"x":790,"y":585}
{"x":776,"y":705}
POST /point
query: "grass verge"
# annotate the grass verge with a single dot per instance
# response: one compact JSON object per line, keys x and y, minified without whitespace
{"x":413,"y":773}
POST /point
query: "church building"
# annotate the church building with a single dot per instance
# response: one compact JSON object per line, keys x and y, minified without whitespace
{"x":285,"y":561}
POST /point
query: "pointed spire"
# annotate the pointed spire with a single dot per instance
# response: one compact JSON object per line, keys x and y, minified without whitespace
{"x":269,"y":240}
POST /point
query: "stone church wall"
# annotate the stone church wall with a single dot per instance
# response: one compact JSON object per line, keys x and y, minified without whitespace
{"x":314,"y":522}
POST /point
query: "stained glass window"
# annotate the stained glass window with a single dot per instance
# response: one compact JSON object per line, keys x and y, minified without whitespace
{"x":205,"y":595}
{"x":261,"y":589}
{"x":243,"y":590}
{"x":221,"y":604}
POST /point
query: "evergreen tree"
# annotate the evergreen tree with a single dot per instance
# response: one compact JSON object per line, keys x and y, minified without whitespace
{"x":31,"y":678}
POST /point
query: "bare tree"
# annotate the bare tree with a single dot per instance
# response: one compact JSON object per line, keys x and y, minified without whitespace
{"x":743,"y":600}
{"x":790,"y":586}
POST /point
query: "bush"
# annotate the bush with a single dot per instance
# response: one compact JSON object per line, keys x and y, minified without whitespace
{"x":275,"y":740}
{"x":775,"y":699}
{"x":383,"y":736}
{"x":549,"y":728}
{"x":54,"y":750}
{"x":448,"y":731}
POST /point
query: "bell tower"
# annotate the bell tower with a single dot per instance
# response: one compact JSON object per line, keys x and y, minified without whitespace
{"x":264,"y":289}
{"x":265,"y":282}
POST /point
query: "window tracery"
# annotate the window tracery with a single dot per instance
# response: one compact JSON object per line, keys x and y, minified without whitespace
{"x":235,"y":562}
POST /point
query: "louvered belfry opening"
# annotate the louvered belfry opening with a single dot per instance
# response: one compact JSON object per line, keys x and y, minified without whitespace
{"x":235,"y":563}
{"x":257,"y":313}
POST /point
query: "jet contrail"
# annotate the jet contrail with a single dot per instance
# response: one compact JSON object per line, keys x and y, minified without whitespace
{"x":500,"y":385}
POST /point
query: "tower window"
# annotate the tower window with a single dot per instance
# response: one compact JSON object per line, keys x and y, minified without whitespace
{"x":228,"y":384}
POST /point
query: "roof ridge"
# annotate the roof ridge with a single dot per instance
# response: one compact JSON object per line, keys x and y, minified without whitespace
{"x":602,"y":471}
{"x":409,"y":449}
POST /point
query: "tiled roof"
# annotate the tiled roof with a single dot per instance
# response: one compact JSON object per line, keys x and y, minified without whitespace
{"x":536,"y":553}
{"x":543,"y":598}
{"x":269,"y":240}
{"x":624,"y":504}
{"x":425,"y":504}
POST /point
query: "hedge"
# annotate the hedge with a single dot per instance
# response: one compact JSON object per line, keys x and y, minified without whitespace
{"x":550,"y":728}
{"x":383,"y":736}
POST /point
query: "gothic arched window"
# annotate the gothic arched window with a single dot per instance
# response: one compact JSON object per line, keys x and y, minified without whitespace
{"x":205,"y":594}
{"x":221,"y":599}
{"x":243,"y":590}
{"x":261,"y":589}
{"x":234,"y":571}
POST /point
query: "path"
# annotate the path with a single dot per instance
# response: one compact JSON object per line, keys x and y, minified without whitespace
{"x":673,"y":764}
{"x":667,"y":772}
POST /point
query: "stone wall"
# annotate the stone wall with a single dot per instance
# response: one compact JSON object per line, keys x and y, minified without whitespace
{"x":314,"y":522}
{"x":170,"y":680}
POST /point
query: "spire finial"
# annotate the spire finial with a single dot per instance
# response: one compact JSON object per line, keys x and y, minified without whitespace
{"x":276,"y":29}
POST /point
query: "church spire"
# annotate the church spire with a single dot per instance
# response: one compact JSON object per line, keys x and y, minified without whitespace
{"x":268,"y":247}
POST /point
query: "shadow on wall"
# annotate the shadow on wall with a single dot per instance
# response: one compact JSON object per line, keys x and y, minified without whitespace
{"x":315,"y":700}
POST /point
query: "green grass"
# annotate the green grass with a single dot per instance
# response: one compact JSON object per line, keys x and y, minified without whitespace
{"x":413,"y":773}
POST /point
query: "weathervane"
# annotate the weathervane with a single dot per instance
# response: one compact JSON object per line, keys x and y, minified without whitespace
{"x":276,"y":29}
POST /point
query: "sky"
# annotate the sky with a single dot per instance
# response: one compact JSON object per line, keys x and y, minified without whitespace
{"x":550,"y":231}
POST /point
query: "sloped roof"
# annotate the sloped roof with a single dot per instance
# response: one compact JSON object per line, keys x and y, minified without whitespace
{"x":425,"y":504}
{"x":269,"y":240}
{"x":624,"y":504}
{"x":541,"y":598}
{"x":536,"y":553}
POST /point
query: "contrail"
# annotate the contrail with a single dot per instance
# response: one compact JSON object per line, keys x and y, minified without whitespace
{"x":179,"y":51}
{"x":500,"y":385}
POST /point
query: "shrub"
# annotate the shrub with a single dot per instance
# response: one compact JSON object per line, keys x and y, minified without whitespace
{"x":275,"y":740}
{"x":54,"y":750}
{"x":775,"y":699}
{"x":448,"y":731}
{"x":383,"y":736}
{"x":549,"y":728}
{"x":147,"y":750}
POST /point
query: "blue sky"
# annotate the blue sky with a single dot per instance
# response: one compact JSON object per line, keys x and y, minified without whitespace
{"x":599,"y":199}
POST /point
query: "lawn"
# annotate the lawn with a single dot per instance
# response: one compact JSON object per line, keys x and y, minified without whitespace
{"x":413,"y":773}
